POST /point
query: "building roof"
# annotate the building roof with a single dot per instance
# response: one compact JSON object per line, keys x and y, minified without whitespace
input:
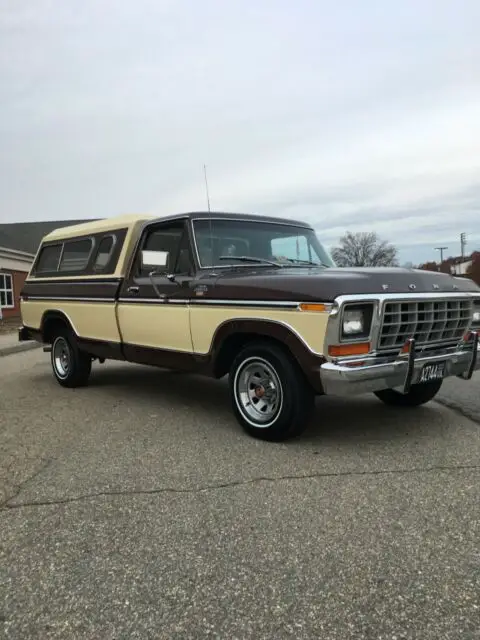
{"x":26,"y":236}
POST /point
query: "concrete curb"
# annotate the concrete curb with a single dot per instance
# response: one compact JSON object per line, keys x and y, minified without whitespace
{"x":18,"y":348}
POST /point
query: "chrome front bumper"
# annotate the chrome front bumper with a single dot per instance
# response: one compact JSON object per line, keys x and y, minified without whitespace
{"x":365,"y":375}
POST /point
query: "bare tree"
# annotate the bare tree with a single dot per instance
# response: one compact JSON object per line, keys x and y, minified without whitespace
{"x":364,"y":249}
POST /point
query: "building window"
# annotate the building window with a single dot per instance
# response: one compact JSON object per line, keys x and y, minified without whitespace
{"x":6,"y":291}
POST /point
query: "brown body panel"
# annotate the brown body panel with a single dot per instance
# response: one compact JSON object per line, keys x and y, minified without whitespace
{"x":83,"y":289}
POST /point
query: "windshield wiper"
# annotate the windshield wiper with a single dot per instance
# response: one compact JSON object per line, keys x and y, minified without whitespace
{"x":251,"y":259}
{"x":309,"y":262}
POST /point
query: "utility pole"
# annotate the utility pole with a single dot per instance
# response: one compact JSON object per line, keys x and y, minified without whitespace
{"x":463,"y":242}
{"x":441,"y":249}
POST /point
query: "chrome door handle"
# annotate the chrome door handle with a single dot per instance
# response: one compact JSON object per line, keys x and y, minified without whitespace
{"x":133,"y":289}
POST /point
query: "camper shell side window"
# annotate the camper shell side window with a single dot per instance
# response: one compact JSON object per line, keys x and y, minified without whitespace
{"x":91,"y":254}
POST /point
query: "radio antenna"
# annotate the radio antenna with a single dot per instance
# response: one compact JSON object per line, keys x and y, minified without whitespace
{"x":206,"y":186}
{"x":209,"y":212}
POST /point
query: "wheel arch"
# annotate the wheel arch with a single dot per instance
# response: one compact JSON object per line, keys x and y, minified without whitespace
{"x":233,"y":335}
{"x":53,"y":319}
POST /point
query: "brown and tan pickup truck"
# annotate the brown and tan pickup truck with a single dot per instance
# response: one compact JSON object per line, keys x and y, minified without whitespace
{"x":254,"y":297}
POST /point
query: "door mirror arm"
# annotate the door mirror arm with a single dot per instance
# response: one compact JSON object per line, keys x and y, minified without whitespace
{"x":153,"y":273}
{"x":171,"y":277}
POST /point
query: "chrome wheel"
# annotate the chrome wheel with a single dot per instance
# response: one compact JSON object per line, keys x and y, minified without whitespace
{"x":61,"y":357}
{"x":258,"y":392}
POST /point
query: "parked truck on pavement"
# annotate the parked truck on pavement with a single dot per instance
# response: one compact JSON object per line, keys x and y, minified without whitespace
{"x":253,"y":297}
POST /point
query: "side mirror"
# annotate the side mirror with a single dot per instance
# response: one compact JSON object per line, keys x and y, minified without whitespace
{"x":155,"y":259}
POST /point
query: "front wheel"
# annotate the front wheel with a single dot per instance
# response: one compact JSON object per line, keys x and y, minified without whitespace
{"x":71,"y":367}
{"x":419,"y":394}
{"x":271,"y":398}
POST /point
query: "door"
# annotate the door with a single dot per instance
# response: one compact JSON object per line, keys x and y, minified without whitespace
{"x":153,"y":308}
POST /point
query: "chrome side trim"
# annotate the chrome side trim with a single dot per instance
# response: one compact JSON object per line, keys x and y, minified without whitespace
{"x":153,"y":301}
{"x":206,"y":302}
{"x":264,"y":304}
{"x":36,"y":298}
{"x":245,"y":303}
{"x":82,"y":280}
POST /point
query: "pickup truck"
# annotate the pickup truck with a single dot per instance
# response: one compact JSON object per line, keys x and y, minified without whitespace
{"x":255,"y":297}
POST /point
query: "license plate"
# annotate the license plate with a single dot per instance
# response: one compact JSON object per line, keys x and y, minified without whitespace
{"x":434,"y":371}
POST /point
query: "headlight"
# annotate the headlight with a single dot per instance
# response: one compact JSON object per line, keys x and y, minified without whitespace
{"x":357,"y":321}
{"x":353,"y":322}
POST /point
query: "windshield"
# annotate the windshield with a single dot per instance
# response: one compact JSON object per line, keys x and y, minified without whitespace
{"x":225,"y":242}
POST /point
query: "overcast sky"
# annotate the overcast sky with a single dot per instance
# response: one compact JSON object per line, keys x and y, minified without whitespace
{"x":353,"y":115}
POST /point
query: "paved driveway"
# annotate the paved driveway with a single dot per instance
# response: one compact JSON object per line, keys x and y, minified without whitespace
{"x":137,"y":508}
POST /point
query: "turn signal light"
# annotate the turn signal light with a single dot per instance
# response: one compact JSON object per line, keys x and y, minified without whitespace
{"x":313,"y":306}
{"x":354,"y":349}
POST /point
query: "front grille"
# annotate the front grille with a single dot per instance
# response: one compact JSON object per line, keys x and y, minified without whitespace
{"x":428,"y":321}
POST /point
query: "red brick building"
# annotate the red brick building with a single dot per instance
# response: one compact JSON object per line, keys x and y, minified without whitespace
{"x":14,"y":267}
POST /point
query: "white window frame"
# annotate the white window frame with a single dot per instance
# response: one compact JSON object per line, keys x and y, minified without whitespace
{"x":7,"y":289}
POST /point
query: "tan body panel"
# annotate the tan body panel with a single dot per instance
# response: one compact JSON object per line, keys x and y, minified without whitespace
{"x":159,"y":326}
{"x":93,"y":320}
{"x":177,"y":327}
{"x":309,"y":326}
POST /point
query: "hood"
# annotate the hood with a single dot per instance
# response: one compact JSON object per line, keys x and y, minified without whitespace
{"x":291,"y":283}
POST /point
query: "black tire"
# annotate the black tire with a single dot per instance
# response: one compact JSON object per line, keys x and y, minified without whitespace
{"x":71,"y":367}
{"x":419,"y":394}
{"x":295,"y":397}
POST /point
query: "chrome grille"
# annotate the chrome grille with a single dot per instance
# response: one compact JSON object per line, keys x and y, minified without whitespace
{"x":428,"y":321}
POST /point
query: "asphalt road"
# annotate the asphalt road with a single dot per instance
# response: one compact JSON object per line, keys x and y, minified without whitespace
{"x":137,"y":508}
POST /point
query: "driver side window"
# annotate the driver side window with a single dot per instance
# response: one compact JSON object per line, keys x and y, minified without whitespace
{"x":173,"y":239}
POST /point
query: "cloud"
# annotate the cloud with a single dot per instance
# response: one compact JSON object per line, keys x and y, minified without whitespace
{"x":347,"y":116}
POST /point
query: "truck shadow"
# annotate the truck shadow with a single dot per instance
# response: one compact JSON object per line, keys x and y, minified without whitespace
{"x":360,"y":417}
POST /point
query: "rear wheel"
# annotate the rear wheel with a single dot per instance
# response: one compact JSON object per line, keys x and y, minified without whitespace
{"x":271,"y":398}
{"x":71,"y":367}
{"x":419,"y":394}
